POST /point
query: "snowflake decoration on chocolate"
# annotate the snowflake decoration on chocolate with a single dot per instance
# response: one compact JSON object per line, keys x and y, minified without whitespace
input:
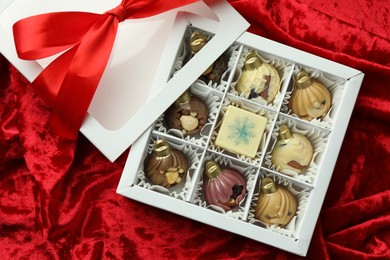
{"x":241,"y":131}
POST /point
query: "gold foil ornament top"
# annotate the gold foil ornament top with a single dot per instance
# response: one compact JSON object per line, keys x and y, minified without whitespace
{"x":276,"y":205}
{"x":303,"y":80}
{"x":165,"y":166}
{"x":197,"y":41}
{"x":252,"y":61}
{"x":183,"y":98}
{"x":268,"y":186}
{"x":284,"y":133}
{"x":223,"y":187}
{"x":292,"y":151}
{"x":214,"y":72}
{"x":161,"y":149}
{"x":212,"y":169}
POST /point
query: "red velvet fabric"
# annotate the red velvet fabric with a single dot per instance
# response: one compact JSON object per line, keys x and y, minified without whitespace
{"x":57,"y":196}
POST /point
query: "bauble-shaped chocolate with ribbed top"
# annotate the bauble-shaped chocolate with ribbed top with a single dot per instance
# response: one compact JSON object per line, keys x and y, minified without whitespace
{"x":223,"y":187}
{"x":165,"y":166}
{"x":310,"y":99}
{"x":276,"y":205}
{"x":258,"y":79}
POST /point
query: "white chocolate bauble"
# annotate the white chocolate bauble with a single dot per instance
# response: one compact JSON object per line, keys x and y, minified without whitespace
{"x":261,"y":79}
{"x":293,"y":153}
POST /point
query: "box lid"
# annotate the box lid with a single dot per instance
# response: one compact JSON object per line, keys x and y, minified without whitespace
{"x":132,"y":92}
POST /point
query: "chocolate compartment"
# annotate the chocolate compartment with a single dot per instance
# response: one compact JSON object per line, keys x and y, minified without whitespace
{"x":184,"y":188}
{"x":283,"y":67}
{"x":230,"y":54}
{"x":335,"y":86}
{"x":318,"y":138}
{"x":300,"y":192}
{"x":254,"y":108}
{"x":247,"y":170}
{"x":212,"y":99}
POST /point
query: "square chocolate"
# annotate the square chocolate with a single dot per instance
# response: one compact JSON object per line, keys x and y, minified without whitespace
{"x":241,"y":131}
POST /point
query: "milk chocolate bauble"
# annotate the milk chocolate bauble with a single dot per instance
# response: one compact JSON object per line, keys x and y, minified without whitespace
{"x":188,"y":114}
{"x":214,"y":72}
{"x":165,"y":166}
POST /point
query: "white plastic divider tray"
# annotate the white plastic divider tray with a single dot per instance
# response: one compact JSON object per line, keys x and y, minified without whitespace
{"x":326,"y":135}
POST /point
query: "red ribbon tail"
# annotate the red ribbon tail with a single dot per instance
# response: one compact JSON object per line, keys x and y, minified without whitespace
{"x":48,"y":83}
{"x":86,"y":70}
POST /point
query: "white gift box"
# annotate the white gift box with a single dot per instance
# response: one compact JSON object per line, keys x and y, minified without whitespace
{"x":132,"y":68}
{"x":144,"y":77}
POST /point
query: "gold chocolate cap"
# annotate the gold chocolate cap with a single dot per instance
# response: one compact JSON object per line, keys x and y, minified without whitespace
{"x":284,"y":133}
{"x":302,"y":80}
{"x":184,"y":98}
{"x":197,"y":41}
{"x":268,"y":186}
{"x":212,"y":169}
{"x":161,"y":149}
{"x":252,"y":61}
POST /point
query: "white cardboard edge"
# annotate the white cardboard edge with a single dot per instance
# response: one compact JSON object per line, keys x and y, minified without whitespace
{"x":4,"y":4}
{"x":210,"y":217}
{"x":130,"y":170}
{"x":113,"y":143}
{"x":335,"y":142}
{"x":33,"y":68}
{"x":355,"y":78}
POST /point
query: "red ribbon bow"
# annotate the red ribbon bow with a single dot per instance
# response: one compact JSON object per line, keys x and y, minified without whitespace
{"x":86,"y":39}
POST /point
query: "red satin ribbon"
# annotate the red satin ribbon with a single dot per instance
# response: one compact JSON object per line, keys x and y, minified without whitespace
{"x":86,"y":39}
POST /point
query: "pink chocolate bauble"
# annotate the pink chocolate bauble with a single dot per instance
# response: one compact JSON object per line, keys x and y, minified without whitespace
{"x":225,"y":188}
